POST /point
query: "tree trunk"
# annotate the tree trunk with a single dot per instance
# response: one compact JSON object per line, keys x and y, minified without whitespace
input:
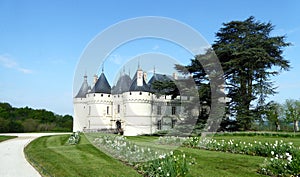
{"x":277,"y":126}
{"x":296,"y":125}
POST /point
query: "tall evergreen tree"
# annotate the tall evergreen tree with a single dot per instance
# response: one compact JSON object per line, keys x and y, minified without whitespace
{"x":250,"y":56}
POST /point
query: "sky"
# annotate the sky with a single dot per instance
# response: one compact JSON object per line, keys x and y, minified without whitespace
{"x":41,"y":42}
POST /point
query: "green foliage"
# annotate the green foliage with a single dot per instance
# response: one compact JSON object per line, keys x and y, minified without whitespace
{"x":250,"y":57}
{"x":74,"y":138}
{"x":292,"y":112}
{"x":30,"y":120}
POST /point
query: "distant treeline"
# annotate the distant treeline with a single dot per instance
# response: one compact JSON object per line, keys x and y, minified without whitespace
{"x":15,"y":120}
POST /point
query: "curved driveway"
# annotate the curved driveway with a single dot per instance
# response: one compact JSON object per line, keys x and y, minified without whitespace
{"x":12,"y":159}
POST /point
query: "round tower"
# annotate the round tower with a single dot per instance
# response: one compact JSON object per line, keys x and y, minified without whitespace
{"x":99,"y":105}
{"x":80,"y":107}
{"x":138,"y":107}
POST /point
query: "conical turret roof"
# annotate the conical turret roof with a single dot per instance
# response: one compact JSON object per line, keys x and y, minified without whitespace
{"x":122,"y":85}
{"x":102,"y":85}
{"x":83,"y":89}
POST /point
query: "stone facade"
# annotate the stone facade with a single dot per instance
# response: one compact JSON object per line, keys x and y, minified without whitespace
{"x":131,"y":104}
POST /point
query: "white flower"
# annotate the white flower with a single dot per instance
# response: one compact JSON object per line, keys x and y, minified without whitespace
{"x":272,"y":152}
{"x":162,"y":156}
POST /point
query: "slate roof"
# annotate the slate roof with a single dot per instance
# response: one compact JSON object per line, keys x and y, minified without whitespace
{"x":135,"y":87}
{"x":83,"y":89}
{"x":122,"y":85}
{"x":102,"y":85}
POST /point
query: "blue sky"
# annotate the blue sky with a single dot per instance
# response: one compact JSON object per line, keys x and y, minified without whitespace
{"x":41,"y":41}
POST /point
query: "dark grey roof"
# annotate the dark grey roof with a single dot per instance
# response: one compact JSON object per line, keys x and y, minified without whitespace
{"x":83,"y":89}
{"x":122,"y":85}
{"x":135,"y":87}
{"x":159,"y":77}
{"x":102,"y":85}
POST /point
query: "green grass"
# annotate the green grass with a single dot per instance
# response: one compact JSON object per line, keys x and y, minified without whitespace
{"x":3,"y":138}
{"x":211,"y":163}
{"x":60,"y":159}
{"x":53,"y":157}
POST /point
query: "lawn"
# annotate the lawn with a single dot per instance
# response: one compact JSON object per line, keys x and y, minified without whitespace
{"x":211,"y":163}
{"x":52,"y":156}
{"x":56,"y":158}
{"x":3,"y":138}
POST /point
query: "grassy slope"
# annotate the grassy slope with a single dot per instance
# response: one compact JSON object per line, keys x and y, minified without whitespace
{"x":60,"y":159}
{"x":3,"y":138}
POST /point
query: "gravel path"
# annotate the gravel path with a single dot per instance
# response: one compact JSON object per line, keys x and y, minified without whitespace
{"x":12,"y":159}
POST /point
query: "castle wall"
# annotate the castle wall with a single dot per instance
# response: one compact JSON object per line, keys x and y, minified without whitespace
{"x":80,"y":112}
{"x":138,"y":113}
{"x":99,"y":110}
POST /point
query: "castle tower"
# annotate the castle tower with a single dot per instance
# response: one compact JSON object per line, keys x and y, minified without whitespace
{"x":80,"y":104}
{"x":138,"y":107}
{"x":99,"y":105}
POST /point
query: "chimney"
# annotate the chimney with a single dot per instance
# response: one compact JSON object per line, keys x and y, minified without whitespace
{"x":175,"y":76}
{"x":140,"y":76}
{"x":145,"y":76}
{"x":95,"y":79}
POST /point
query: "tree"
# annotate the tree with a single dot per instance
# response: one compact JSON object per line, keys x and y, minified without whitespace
{"x":273,"y":112}
{"x":292,"y":112}
{"x":249,"y":57}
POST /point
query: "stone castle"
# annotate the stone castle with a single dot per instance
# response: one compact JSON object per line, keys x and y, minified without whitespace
{"x":132,"y":105}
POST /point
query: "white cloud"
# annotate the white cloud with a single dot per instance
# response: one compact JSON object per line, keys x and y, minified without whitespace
{"x":156,"y":47}
{"x":116,"y":58}
{"x":8,"y":62}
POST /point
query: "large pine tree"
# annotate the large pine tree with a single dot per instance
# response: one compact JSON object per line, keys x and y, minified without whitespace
{"x":250,"y":56}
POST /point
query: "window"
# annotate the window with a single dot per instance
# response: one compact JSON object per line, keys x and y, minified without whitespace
{"x":107,"y":110}
{"x":159,"y":125}
{"x":108,"y":95}
{"x":173,"y":110}
{"x":140,"y":93}
{"x":89,"y":110}
{"x":173,"y":123}
{"x":129,"y":93}
{"x":118,"y":108}
{"x":158,"y":110}
{"x":101,"y":94}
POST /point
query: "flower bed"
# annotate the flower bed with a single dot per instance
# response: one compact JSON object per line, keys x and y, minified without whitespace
{"x":148,"y":161}
{"x":283,"y":158}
